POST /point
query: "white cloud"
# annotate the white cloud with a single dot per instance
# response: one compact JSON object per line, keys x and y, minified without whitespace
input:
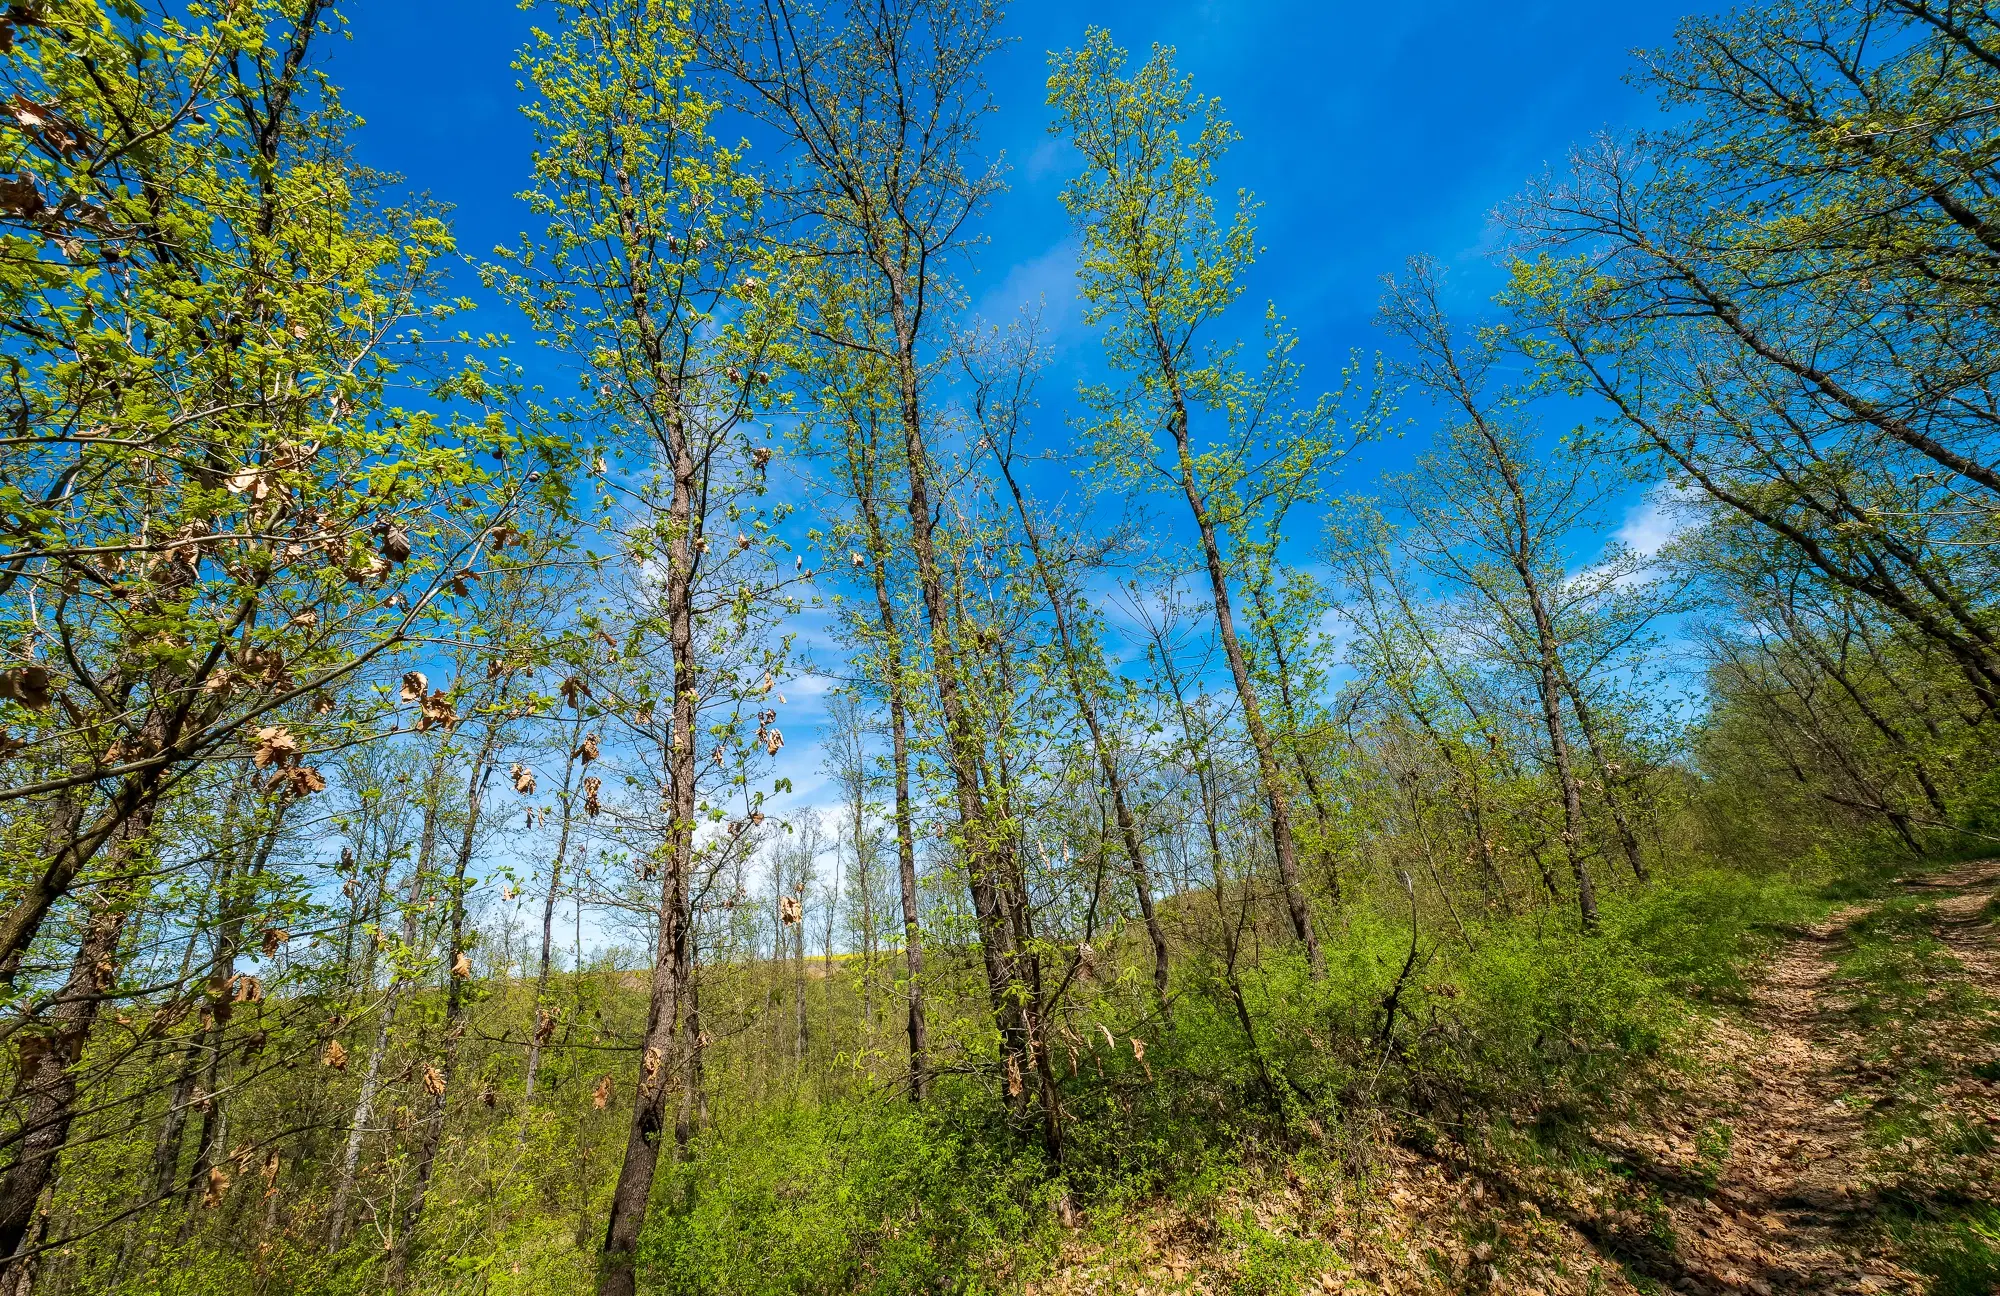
{"x":1649,"y":527}
{"x":808,"y":687}
{"x":1044,"y":284}
{"x":1045,"y":158}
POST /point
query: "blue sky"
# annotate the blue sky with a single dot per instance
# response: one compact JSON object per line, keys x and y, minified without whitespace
{"x":1372,"y":133}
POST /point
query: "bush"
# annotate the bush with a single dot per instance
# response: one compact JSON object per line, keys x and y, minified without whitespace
{"x":852,"y":1197}
{"x":1699,"y":932}
{"x":1521,"y":1017}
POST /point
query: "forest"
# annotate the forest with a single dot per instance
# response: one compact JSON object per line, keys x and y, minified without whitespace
{"x":1221,"y":870}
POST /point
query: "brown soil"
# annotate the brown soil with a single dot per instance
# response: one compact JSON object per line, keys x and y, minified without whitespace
{"x":1791,"y":1201}
{"x":1756,"y":1176}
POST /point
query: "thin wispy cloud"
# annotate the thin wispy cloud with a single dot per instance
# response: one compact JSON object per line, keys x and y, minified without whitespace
{"x":1043,"y":285}
{"x":1649,"y":527}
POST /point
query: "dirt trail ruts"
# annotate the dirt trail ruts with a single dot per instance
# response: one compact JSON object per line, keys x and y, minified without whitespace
{"x":1795,"y":1201}
{"x":1963,"y":893}
{"x":1752,"y":1175}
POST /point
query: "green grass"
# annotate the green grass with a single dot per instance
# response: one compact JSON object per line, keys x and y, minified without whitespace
{"x":1518,"y":1032}
{"x":1959,"y":1251}
{"x":1269,"y":1262}
{"x":1908,"y":995}
{"x":1529,"y":1020}
{"x":849,"y":1197}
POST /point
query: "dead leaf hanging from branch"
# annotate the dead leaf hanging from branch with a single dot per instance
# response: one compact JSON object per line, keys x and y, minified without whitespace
{"x":29,"y":685}
{"x":275,"y":746}
{"x":395,"y":543}
{"x":436,"y":711}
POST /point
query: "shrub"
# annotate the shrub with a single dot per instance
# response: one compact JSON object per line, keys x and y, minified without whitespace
{"x":860,"y":1196}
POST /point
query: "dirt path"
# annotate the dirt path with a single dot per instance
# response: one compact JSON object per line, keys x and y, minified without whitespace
{"x":1815,"y":1124}
{"x":1964,"y":923}
{"x":1774,"y":1177}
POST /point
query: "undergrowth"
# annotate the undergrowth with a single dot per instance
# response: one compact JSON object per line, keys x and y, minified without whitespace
{"x":1525,"y":1021}
{"x":1913,"y":1004}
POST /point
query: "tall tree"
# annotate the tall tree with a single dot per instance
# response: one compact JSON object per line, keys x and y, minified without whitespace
{"x":206,"y":309}
{"x":857,"y":403}
{"x":1491,"y":516}
{"x":1159,"y":269}
{"x":1788,"y":298}
{"x":1001,"y":401}
{"x":650,"y":271}
{"x":51,"y":1056}
{"x":881,"y":103}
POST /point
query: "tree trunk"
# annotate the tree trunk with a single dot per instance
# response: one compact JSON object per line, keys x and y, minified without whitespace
{"x":403,"y":1244}
{"x":540,"y":1027}
{"x":693,"y":1045}
{"x":864,"y":881}
{"x":1329,"y":860}
{"x":1239,"y":670}
{"x":1612,"y":778}
{"x":826,"y":958}
{"x":76,"y":846}
{"x":371,"y":1077}
{"x":799,"y":1023}
{"x":899,"y":741}
{"x":1107,"y":759}
{"x":657,"y":1068}
{"x":1572,"y":801}
{"x":1231,"y":929}
{"x":50,"y":1084}
{"x":229,"y":942}
{"x":173,"y":1124}
{"x":984,"y":851}
{"x":1803,"y":636}
{"x":364,"y":1111}
{"x":1549,"y":672}
{"x":1465,"y":768}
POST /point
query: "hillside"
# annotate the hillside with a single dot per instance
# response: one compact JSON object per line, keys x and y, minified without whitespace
{"x":790,"y":647}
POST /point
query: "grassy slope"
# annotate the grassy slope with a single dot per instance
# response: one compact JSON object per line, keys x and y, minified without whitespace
{"x":1553,"y":1111}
